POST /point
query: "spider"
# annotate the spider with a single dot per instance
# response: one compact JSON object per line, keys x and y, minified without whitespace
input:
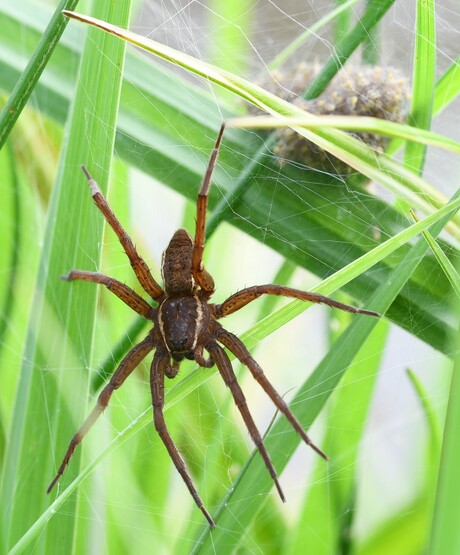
{"x":185,"y":325}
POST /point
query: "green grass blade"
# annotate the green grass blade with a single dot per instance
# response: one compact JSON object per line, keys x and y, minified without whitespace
{"x":10,"y":231}
{"x":241,"y":504}
{"x":434,"y":432}
{"x":117,"y":352}
{"x":342,"y":23}
{"x":445,"y":264}
{"x":34,"y":69}
{"x":334,"y":282}
{"x":447,"y":88}
{"x":371,"y":46}
{"x":350,"y":123}
{"x":375,"y":10}
{"x":53,"y":379}
{"x":423,"y":80}
{"x":400,"y":535}
{"x":445,"y":532}
{"x":310,"y":32}
{"x":282,"y":277}
{"x":229,"y":44}
{"x":331,"y":499}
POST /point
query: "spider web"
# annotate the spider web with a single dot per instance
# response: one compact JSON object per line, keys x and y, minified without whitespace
{"x":138,"y":492}
{"x":394,"y":438}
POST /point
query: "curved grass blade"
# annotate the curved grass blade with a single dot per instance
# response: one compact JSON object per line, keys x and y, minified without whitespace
{"x":350,"y":123}
{"x":379,"y":168}
{"x":423,"y":80}
{"x":53,"y":381}
{"x":445,"y":264}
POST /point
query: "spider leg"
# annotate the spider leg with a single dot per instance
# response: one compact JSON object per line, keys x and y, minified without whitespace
{"x":127,"y":365}
{"x":157,"y":373}
{"x":122,"y":291}
{"x":225,"y":368}
{"x":201,"y":276}
{"x":201,"y":360}
{"x":171,"y":370}
{"x":138,"y":264}
{"x":237,"y":347}
{"x":245,"y":296}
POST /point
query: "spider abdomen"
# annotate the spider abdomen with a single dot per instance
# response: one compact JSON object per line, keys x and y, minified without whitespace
{"x":182,"y":320}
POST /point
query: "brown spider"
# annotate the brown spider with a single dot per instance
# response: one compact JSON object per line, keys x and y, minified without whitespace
{"x":184,"y":326}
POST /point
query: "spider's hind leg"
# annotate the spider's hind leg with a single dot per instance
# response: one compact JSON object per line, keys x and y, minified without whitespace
{"x":157,"y":373}
{"x":238,"y":348}
{"x":225,"y":368}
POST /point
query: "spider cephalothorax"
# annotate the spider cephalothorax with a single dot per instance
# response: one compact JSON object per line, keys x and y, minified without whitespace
{"x":186,"y":326}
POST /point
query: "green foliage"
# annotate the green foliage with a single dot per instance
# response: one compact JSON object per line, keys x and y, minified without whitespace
{"x":445,"y":536}
{"x":61,"y":325}
{"x":52,"y":333}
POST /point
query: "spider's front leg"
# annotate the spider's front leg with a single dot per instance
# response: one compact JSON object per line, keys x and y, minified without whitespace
{"x":138,"y":264}
{"x":240,"y":299}
{"x":161,"y":361}
{"x":202,"y":277}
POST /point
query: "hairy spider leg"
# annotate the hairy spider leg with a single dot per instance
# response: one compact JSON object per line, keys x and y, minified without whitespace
{"x":238,"y":348}
{"x":126,"y":367}
{"x":202,"y":277}
{"x":138,"y":264}
{"x":121,"y":290}
{"x":157,"y":373}
{"x":242,"y":298}
{"x":225,"y":368}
